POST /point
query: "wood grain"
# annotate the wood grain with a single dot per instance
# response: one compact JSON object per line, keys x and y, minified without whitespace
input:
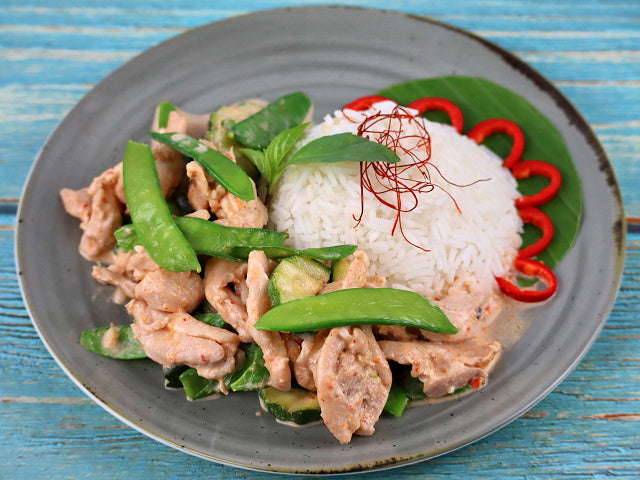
{"x":52,"y":53}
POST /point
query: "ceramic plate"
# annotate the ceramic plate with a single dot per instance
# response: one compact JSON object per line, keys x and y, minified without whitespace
{"x":334,"y":54}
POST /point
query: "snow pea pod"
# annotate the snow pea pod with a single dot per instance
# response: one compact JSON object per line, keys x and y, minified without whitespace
{"x":226,"y":172}
{"x":122,"y":345}
{"x":211,"y":238}
{"x":357,"y":306}
{"x":335,"y":252}
{"x":156,"y":229}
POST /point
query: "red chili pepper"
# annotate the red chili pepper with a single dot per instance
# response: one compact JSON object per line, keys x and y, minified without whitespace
{"x":437,"y":103}
{"x":363,"y":103}
{"x":536,"y":167}
{"x":531,"y":268}
{"x":476,"y":383}
{"x":500,"y":125}
{"x":543,"y":222}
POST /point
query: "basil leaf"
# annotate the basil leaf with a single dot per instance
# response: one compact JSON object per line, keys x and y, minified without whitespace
{"x":282,"y":144}
{"x":343,"y":147}
{"x":259,"y":129}
{"x":259,"y":159}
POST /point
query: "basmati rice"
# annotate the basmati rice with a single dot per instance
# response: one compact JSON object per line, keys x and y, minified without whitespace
{"x":316,"y":204}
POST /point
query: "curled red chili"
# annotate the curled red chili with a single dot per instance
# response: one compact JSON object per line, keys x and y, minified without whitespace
{"x":530,"y":268}
{"x":540,"y":219}
{"x":437,"y":103}
{"x":536,"y":167}
{"x":363,"y":103}
{"x":500,"y":125}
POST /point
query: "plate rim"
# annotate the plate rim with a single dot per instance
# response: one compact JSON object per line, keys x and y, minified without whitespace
{"x":620,"y":232}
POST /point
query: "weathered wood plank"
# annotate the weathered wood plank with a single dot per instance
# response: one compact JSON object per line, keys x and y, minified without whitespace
{"x":53,"y":53}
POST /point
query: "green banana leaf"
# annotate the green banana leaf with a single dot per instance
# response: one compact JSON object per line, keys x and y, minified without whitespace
{"x":480,"y":99}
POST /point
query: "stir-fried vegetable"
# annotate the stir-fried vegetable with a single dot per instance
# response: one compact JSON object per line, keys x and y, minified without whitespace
{"x":224,"y":171}
{"x":357,"y":306}
{"x":115,"y":341}
{"x":156,"y":228}
{"x":261,"y":128}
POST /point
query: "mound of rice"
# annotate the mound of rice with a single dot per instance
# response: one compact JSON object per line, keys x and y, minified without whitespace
{"x":316,"y":205}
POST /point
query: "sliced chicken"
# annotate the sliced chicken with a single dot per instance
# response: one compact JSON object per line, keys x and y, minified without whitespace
{"x":127,"y":270}
{"x":306,"y":361}
{"x":225,"y":288}
{"x":471,"y":312}
{"x":100,"y":213}
{"x":353,"y":381}
{"x":356,"y":275}
{"x":443,"y":368}
{"x":169,"y":162}
{"x":272,"y":344}
{"x":171,"y":291}
{"x":179,"y":339}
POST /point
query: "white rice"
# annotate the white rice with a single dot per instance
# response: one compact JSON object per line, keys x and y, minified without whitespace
{"x":316,"y":204}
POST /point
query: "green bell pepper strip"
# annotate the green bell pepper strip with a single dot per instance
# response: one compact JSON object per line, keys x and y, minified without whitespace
{"x":357,"y":306}
{"x":224,"y":171}
{"x":156,"y":229}
{"x":126,"y":348}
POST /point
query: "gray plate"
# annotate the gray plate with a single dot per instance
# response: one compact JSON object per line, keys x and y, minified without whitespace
{"x":334,"y":54}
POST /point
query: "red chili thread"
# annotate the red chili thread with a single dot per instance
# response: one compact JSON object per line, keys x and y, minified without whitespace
{"x":393,"y":186}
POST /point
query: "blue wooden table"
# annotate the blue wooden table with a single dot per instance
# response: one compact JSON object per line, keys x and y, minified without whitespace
{"x":53,"y":52}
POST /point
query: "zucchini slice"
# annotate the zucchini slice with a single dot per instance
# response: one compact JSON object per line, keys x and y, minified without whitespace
{"x":296,"y":277}
{"x":297,"y":406}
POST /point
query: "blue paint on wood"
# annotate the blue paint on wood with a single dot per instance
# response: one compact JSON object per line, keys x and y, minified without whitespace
{"x":53,"y":52}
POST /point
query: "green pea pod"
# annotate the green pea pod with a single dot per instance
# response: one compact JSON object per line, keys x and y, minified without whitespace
{"x":125,"y":348}
{"x":226,"y":172}
{"x":259,"y":129}
{"x":335,"y":252}
{"x":163,"y":110}
{"x":211,"y":238}
{"x":155,"y":227}
{"x":357,"y":306}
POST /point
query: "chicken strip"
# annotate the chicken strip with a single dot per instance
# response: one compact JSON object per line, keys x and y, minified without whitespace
{"x":470,"y":311}
{"x":353,"y":380}
{"x":441,"y":367}
{"x":272,"y":344}
{"x":225,"y":288}
{"x":172,"y":339}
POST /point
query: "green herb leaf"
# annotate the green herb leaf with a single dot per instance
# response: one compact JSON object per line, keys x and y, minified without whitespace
{"x":343,"y":147}
{"x":258,"y":130}
{"x":481,"y":99}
